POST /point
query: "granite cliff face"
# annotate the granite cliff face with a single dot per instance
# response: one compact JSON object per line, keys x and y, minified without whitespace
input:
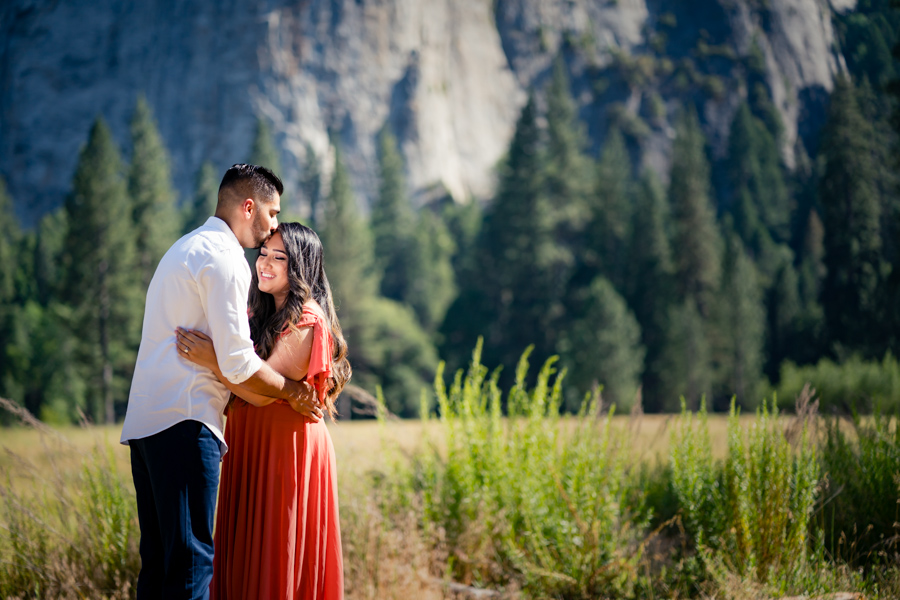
{"x":449,"y":76}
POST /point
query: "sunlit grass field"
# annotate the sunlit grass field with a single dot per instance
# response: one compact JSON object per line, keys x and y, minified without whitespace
{"x":387,"y":559}
{"x":428,"y":509}
{"x":361,"y":446}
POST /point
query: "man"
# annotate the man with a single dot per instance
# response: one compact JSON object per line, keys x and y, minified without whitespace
{"x":174,"y":420}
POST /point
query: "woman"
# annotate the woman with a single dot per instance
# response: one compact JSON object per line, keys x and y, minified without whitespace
{"x":277,"y":531}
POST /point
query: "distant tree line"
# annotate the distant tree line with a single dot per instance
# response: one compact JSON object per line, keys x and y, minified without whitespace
{"x":72,"y":290}
{"x":713,"y":284}
{"x":705,"y":286}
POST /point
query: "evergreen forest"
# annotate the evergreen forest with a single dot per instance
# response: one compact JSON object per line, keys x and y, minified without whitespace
{"x":731,"y":276}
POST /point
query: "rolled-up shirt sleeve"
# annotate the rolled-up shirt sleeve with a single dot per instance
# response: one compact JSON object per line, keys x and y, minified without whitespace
{"x":223,"y":292}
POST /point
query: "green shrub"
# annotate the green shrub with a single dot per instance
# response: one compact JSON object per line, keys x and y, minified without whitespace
{"x":696,"y":478}
{"x":854,"y":385}
{"x":860,"y":517}
{"x":750,"y":513}
{"x":523,"y":500}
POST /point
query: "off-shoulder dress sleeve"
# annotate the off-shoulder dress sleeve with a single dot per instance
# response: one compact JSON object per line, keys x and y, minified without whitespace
{"x":320,"y":358}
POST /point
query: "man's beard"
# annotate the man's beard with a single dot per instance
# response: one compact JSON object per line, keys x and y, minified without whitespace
{"x":260,"y":233}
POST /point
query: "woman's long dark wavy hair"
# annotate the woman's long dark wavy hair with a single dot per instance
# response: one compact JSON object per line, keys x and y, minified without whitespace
{"x":306,"y":279}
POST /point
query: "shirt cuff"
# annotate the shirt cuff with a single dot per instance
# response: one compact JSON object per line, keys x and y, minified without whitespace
{"x":246,"y":365}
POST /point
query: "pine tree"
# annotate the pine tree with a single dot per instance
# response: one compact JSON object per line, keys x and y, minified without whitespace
{"x":264,"y":152}
{"x":347,"y":241}
{"x":521,"y":267}
{"x":603,"y":346}
{"x":386,"y":345}
{"x":412,"y":252}
{"x":764,"y":109}
{"x":608,"y":234}
{"x":9,"y":239}
{"x":10,"y":236}
{"x":740,"y":327}
{"x":392,"y":222}
{"x":464,"y":223}
{"x":696,"y":239}
{"x":45,"y":270}
{"x":43,"y":374}
{"x":760,"y":207}
{"x":852,"y":213}
{"x":206,"y":197}
{"x":154,"y":212}
{"x":568,"y":177}
{"x":431,"y":280}
{"x":865,"y":48}
{"x":813,"y":259}
{"x":686,"y":358}
{"x":784,"y":310}
{"x":311,"y":185}
{"x":759,"y":193}
{"x":467,"y":315}
{"x":651,"y":288}
{"x":347,"y":244}
{"x":101,"y":283}
{"x":875,"y":109}
{"x":809,"y":342}
{"x":38,"y":362}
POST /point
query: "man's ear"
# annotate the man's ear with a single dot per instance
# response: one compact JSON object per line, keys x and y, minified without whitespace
{"x":247,"y":208}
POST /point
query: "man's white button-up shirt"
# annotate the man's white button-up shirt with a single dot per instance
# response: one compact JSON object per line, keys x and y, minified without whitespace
{"x":201,"y":283}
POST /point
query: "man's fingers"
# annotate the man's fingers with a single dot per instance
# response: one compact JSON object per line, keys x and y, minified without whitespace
{"x":307,"y":409}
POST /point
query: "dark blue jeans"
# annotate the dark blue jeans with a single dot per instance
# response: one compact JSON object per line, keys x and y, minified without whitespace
{"x":176,"y":475}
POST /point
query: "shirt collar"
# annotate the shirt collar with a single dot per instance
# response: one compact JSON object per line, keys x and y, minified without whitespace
{"x":220,"y":225}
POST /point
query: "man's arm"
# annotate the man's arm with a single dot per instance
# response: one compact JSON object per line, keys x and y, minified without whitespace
{"x":262,"y":388}
{"x":269,"y":383}
{"x":287,"y":364}
{"x":304,"y":402}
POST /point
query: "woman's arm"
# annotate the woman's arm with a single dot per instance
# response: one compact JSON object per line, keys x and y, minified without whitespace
{"x":290,"y":358}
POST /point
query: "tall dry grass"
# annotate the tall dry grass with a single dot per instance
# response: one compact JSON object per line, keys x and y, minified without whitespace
{"x":498,"y":496}
{"x":69,"y":532}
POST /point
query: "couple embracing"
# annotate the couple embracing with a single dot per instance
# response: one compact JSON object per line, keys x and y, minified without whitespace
{"x":275,"y":370}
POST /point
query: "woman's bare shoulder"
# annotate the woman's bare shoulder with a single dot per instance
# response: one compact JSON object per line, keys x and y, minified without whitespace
{"x":290,"y":357}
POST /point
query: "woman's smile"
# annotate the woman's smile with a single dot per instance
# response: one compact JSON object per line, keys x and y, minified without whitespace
{"x":272,"y":268}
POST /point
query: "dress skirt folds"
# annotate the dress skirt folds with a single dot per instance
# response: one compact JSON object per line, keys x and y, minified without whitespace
{"x":277,"y":528}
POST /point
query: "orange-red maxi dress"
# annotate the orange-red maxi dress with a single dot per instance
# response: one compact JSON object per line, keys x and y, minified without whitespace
{"x":277,"y":530}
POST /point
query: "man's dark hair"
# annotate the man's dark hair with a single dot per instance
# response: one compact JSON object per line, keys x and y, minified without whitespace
{"x":249,"y":181}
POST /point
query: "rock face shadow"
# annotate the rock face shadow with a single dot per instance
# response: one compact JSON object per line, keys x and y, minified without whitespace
{"x":402,"y":102}
{"x":813,"y":110}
